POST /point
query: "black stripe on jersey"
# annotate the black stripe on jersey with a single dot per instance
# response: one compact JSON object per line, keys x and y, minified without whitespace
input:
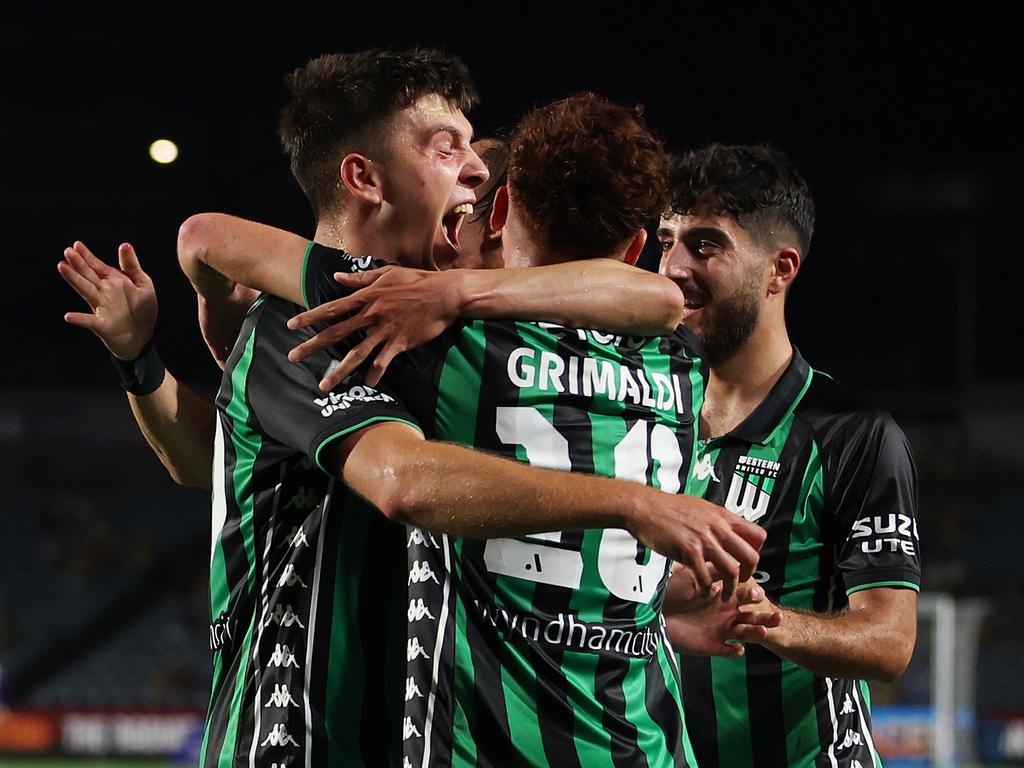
{"x":376,"y":588}
{"x":764,"y":669}
{"x":699,"y":707}
{"x":764,"y":703}
{"x":662,"y":708}
{"x":490,"y":731}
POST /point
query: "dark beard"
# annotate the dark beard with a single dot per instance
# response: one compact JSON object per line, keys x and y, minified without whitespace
{"x":729,"y":322}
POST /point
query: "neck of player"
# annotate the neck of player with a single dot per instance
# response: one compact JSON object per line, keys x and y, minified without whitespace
{"x":740,"y":383}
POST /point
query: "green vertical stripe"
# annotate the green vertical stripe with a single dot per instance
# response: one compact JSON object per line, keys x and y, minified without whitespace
{"x":227,"y":752}
{"x":345,"y":672}
{"x":799,"y":711}
{"x":247,"y":444}
{"x":729,"y":680}
{"x":463,"y":748}
{"x":803,"y":557}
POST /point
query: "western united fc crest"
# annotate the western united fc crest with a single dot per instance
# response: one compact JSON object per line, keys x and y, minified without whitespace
{"x":751,"y":487}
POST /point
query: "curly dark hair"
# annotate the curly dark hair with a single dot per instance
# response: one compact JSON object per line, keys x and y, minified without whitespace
{"x":587,"y":174}
{"x":343,"y":102}
{"x":755,"y":185}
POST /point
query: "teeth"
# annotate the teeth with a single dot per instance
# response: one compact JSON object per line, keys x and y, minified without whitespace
{"x":465,"y":208}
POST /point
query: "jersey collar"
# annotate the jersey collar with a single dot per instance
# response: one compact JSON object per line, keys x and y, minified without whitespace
{"x":762,"y":422}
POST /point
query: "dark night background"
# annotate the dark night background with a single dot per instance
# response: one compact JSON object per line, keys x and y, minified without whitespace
{"x":903,"y":121}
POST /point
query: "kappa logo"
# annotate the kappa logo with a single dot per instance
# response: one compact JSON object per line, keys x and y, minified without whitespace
{"x":409,"y":730}
{"x":279,"y":737}
{"x":847,"y":706}
{"x":282,"y":657}
{"x":418,"y":537}
{"x":704,"y":469}
{"x":340,"y":401}
{"x":413,"y":650}
{"x":419,"y":611}
{"x":304,"y":498}
{"x":421,"y":572}
{"x":281,"y":697}
{"x":852,"y":738}
{"x":412,"y":691}
{"x":751,"y":487}
{"x":289,"y":578}
{"x":284,"y":617}
{"x":296,"y":539}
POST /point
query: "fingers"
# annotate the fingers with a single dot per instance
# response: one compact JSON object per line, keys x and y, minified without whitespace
{"x":327,"y":338}
{"x":768,"y":619}
{"x":351,"y":362}
{"x":96,"y":264}
{"x":740,"y":548}
{"x":727,"y":567}
{"x":129,"y":262}
{"x":82,"y":286}
{"x":382,"y":361}
{"x":731,"y":650}
{"x":327,"y":312}
{"x":749,"y":633}
{"x":82,"y":320}
{"x":360,"y":279}
{"x":701,"y":575}
{"x":749,"y":592}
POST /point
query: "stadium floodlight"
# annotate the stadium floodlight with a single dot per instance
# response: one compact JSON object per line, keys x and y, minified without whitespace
{"x":163,"y":151}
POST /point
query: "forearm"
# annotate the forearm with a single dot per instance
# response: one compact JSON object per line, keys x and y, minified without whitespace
{"x":442,"y":487}
{"x":220,"y":320}
{"x":179,"y":427}
{"x":854,"y":643}
{"x":593,"y":293}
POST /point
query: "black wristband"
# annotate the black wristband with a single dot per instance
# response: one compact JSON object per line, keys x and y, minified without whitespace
{"x":144,"y":374}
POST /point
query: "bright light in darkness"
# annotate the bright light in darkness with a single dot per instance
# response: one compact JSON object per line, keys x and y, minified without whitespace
{"x":163,"y":151}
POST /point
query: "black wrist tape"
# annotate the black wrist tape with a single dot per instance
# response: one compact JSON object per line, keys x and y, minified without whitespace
{"x":142,"y":375}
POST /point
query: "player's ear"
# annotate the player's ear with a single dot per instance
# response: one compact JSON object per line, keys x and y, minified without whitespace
{"x":785,"y":265}
{"x":499,"y":209}
{"x":360,"y":177}
{"x":636,"y":247}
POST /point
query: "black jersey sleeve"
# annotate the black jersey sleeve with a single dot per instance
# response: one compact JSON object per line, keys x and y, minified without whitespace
{"x":286,"y":399}
{"x":871,"y":486}
{"x":319,"y":266}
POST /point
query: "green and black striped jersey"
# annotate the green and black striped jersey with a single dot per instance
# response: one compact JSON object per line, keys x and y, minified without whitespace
{"x":833,"y":483}
{"x":306,"y":580}
{"x":547,"y":650}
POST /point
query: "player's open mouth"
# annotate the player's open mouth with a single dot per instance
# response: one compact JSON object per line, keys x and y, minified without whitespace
{"x":452,"y":222}
{"x":690,"y":308}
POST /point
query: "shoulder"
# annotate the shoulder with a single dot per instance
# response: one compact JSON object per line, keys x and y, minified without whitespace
{"x":850,"y":428}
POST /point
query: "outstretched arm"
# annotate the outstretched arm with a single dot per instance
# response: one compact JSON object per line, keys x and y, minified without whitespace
{"x":400,"y":308}
{"x":447,"y":488}
{"x":177,"y":423}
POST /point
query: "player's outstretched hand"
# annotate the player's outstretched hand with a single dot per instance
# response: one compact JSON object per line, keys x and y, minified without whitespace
{"x":710,"y":540}
{"x":122,"y":301}
{"x":395,"y":309}
{"x":720,"y":627}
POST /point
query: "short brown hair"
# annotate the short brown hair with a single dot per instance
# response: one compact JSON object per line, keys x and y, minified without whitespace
{"x":587,"y":174}
{"x":756,"y":185}
{"x":343,"y":102}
